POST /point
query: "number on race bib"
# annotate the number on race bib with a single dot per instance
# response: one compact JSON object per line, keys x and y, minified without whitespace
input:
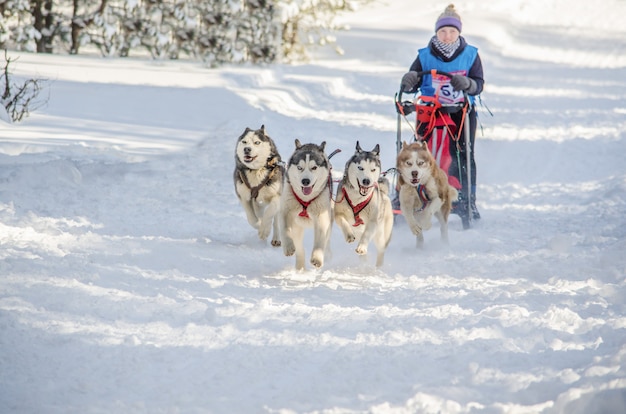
{"x":445,"y":91}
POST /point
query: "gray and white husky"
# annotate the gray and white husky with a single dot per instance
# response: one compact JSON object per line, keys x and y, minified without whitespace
{"x":258,"y":181}
{"x":363,"y":207}
{"x":306,"y":202}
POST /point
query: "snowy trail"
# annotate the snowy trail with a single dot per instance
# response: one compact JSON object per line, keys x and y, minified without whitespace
{"x":131,"y":282}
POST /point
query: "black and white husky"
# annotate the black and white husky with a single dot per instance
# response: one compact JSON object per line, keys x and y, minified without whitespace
{"x":363,"y":208}
{"x":258,"y":181}
{"x":306,"y":202}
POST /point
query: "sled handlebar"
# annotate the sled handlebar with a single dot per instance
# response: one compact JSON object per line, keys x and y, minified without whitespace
{"x":428,"y":72}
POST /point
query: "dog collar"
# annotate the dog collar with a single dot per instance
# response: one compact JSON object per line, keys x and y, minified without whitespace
{"x":421,"y":191}
{"x":303,"y":203}
{"x":423,"y":195}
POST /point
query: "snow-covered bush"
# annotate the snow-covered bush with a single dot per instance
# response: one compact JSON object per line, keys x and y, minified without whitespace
{"x":307,"y":23}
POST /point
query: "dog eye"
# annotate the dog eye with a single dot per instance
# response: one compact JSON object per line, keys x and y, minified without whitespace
{"x":409,"y":163}
{"x":257,"y":142}
{"x":360,"y":168}
{"x":420,"y":163}
{"x":300,"y":168}
{"x":373,"y":169}
{"x":314,"y":168}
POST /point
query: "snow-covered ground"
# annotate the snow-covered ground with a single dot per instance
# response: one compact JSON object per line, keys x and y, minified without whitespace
{"x":130,"y":281}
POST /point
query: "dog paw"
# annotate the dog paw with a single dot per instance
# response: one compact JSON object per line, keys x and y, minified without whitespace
{"x":416,"y":229}
{"x":289,"y":250}
{"x":361,"y":249}
{"x":350,"y":238}
{"x":317,"y":261}
{"x":424,"y":221}
{"x":264,"y":233}
{"x":276,"y":243}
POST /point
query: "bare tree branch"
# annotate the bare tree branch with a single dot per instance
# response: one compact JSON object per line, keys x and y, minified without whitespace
{"x":20,"y":100}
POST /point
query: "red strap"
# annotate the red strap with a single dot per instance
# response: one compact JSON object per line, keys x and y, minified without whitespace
{"x":358,"y":208}
{"x":400,"y":108}
{"x":463,"y":119}
{"x":303,"y":203}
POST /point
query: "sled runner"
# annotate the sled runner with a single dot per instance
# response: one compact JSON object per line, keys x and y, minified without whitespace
{"x":434,"y":125}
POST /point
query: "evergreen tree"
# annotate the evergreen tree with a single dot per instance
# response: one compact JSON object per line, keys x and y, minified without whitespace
{"x":215,"y":31}
{"x":258,"y":32}
{"x":16,"y":26}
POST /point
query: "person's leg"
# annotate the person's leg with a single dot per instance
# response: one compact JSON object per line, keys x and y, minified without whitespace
{"x":472,"y":123}
{"x":458,"y":169}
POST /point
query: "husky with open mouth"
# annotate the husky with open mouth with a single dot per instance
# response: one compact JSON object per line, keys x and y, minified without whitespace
{"x":424,"y":190}
{"x":363,"y":208}
{"x":306,"y":202}
{"x":258,"y":181}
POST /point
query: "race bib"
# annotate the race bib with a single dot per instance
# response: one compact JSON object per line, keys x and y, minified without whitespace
{"x":444,"y":90}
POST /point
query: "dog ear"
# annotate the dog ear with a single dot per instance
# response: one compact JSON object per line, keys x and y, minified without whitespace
{"x":358,"y":147}
{"x":323,"y":145}
{"x":263,"y":129}
{"x":404,"y":145}
{"x":376,"y":149}
{"x":298,"y":144}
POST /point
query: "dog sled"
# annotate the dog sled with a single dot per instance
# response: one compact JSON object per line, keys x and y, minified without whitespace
{"x":434,"y":125}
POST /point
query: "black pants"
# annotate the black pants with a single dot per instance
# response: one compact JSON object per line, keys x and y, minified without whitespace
{"x":461,"y":159}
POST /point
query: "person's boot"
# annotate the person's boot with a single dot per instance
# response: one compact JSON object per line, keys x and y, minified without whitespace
{"x":459,"y":208}
{"x":395,"y":202}
{"x":475,"y":213}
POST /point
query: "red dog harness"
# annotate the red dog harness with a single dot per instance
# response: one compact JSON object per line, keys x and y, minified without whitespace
{"x":358,"y":208}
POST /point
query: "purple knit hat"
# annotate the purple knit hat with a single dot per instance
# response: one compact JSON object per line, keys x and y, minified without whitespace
{"x":449,"y":18}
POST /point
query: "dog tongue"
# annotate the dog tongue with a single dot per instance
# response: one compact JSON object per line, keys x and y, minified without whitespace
{"x":307,"y":190}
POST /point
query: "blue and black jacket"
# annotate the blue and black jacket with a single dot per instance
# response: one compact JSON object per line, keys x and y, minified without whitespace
{"x":465,"y":58}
